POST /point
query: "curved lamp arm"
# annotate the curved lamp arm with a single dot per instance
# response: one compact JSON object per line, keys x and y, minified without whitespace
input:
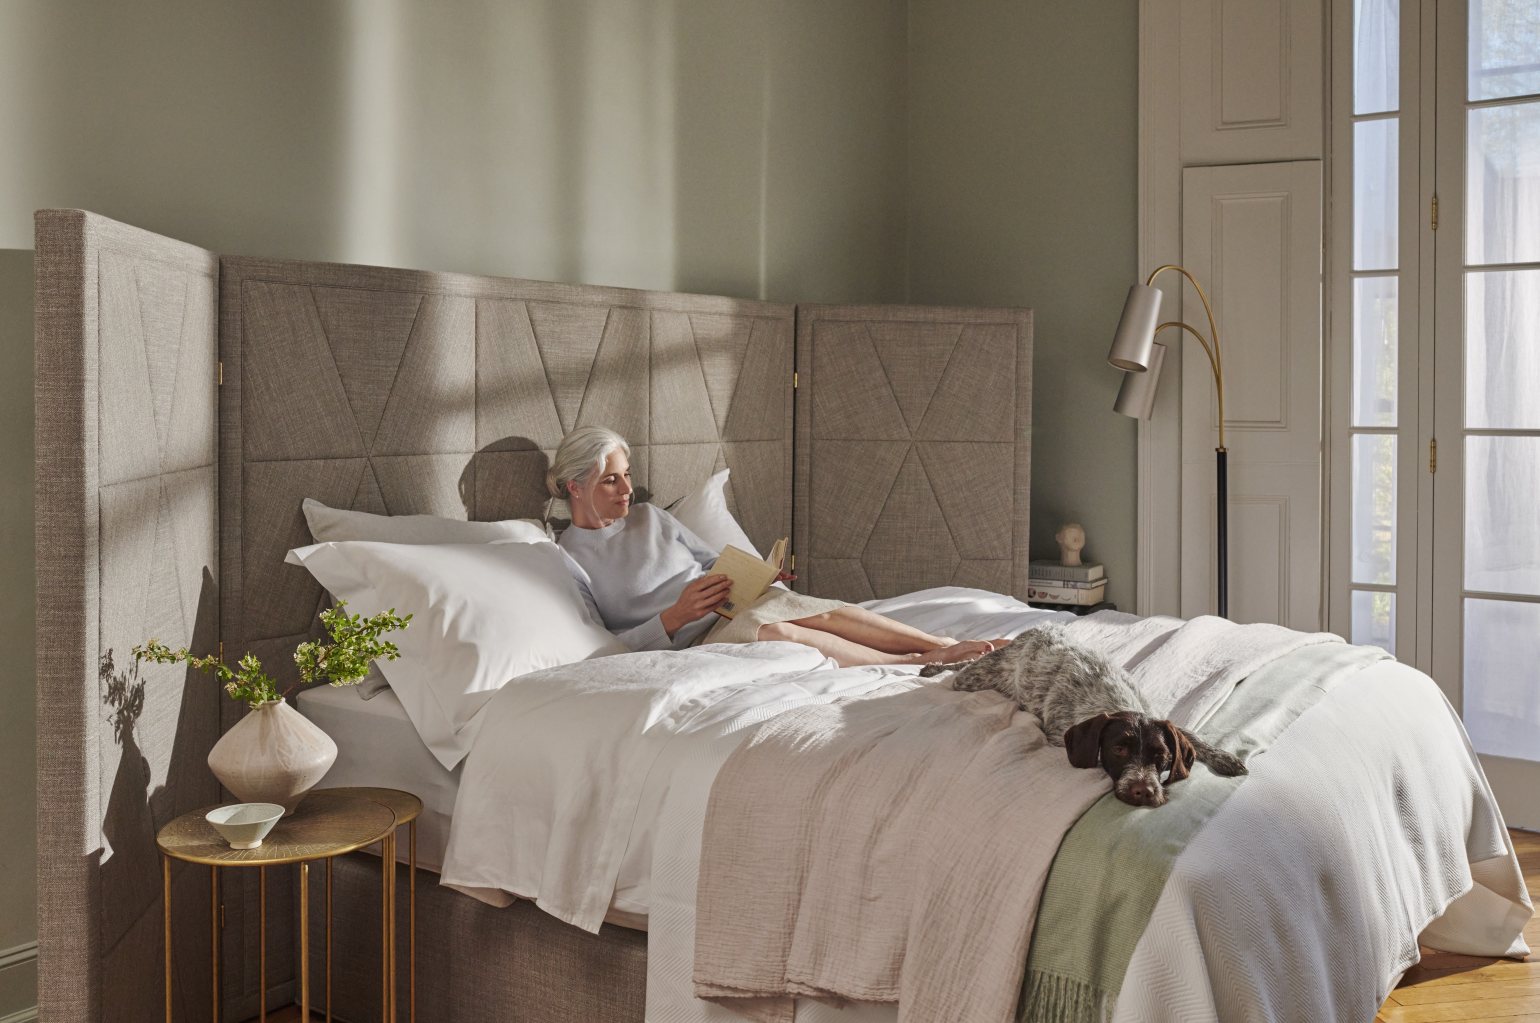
{"x":1215,"y":360}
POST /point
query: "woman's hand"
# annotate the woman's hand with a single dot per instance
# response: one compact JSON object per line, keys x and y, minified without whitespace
{"x":701,"y":597}
{"x":785,"y":577}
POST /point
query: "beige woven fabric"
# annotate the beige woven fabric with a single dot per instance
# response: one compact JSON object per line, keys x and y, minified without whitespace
{"x":891,"y":848}
{"x":126,"y":549}
{"x":913,"y":445}
{"x":774,"y":605}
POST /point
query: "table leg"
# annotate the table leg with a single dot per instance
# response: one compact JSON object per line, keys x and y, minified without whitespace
{"x":214,"y":940}
{"x":328,"y":939}
{"x":262,"y":944}
{"x":392,"y":865}
{"x":411,"y":921}
{"x":304,"y":941}
{"x":385,"y":854}
{"x":165,"y":872}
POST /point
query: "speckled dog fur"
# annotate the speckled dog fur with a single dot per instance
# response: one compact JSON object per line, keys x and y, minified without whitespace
{"x":1066,"y":684}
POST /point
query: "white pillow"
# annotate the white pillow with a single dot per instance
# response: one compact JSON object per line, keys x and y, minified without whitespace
{"x":339,"y":524}
{"x":482,"y":614}
{"x":704,"y":513}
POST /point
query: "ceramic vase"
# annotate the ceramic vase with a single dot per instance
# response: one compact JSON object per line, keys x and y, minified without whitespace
{"x":273,"y":755}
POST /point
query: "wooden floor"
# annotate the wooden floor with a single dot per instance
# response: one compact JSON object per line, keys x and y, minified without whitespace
{"x":1443,"y":987}
{"x":1450,"y":987}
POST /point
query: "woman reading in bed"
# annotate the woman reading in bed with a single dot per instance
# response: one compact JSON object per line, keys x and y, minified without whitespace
{"x":647,"y":576}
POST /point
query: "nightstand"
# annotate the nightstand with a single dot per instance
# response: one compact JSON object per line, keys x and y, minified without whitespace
{"x":328,"y":823}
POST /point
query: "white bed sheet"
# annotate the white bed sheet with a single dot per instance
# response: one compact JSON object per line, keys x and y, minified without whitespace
{"x":378,"y":746}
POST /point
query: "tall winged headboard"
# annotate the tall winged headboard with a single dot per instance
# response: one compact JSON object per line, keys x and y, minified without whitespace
{"x":186,"y":403}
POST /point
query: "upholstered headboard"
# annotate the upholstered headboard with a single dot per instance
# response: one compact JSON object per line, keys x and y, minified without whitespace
{"x":127,"y":548}
{"x":399,"y":391}
{"x":906,"y":465}
{"x":914,"y":449}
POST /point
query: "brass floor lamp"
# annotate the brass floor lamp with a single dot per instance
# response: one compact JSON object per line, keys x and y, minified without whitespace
{"x":1135,"y":350}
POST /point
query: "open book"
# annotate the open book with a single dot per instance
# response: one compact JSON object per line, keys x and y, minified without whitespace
{"x":751,"y":576}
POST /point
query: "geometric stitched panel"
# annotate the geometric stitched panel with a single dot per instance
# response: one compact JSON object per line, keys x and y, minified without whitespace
{"x":913,"y":449}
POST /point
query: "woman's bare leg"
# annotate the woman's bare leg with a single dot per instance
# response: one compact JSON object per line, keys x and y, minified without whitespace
{"x":873,"y":630}
{"x":848,"y":653}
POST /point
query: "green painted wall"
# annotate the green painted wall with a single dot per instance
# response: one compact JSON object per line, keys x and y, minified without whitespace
{"x":1023,"y":166}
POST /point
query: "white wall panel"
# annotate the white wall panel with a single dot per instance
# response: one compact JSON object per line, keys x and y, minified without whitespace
{"x":1251,"y":80}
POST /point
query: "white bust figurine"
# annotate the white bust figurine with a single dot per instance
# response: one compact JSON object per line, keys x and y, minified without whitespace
{"x":1071,"y":538}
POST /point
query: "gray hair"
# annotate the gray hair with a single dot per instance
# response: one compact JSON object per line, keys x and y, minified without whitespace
{"x":580,"y":453}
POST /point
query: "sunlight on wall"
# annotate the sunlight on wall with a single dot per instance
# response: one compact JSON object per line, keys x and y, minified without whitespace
{"x":370,"y":190}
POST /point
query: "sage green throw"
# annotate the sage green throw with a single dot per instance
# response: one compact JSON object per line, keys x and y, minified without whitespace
{"x":1112,"y":865}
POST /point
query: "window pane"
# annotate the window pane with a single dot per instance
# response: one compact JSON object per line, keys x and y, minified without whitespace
{"x":1502,"y":514}
{"x":1374,"y":619}
{"x":1374,"y":509}
{"x":1374,"y":194}
{"x":1503,"y":184}
{"x":1502,"y":677}
{"x":1504,"y":42}
{"x":1374,"y":351}
{"x":1376,"y":55}
{"x":1502,"y":349}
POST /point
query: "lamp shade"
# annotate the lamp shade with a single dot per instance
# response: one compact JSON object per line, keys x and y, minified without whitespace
{"x":1136,"y":329}
{"x":1137,"y":395}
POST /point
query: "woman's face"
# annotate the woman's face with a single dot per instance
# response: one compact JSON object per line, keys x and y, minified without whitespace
{"x":607,"y":492}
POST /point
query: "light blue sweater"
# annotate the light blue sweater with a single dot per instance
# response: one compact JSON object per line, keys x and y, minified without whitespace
{"x":634,"y":569}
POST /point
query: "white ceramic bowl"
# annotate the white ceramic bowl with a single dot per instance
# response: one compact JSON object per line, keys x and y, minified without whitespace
{"x":244,"y":825}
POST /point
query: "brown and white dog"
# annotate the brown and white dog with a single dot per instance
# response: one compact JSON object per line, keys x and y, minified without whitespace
{"x":1091,"y":707}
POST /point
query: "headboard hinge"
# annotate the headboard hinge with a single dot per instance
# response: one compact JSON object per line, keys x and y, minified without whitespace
{"x":793,"y":380}
{"x":221,"y":372}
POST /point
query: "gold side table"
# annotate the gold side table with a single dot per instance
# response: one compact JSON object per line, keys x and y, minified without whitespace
{"x":327,"y":824}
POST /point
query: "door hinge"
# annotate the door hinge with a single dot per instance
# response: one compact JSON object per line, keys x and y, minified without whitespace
{"x":793,"y":558}
{"x":794,"y":380}
{"x":1433,"y":455}
{"x":1435,"y":211}
{"x":221,"y":373}
{"x":221,"y":916}
{"x":221,"y":651}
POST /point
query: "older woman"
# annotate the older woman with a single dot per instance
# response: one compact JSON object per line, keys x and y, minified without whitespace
{"x":646,"y":575}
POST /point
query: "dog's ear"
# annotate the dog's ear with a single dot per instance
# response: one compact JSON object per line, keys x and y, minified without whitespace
{"x":1083,"y":742}
{"x":1182,"y":752}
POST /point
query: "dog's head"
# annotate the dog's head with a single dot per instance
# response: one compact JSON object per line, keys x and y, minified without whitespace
{"x":1135,"y":751}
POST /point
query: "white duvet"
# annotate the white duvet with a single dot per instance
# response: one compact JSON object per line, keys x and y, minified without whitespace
{"x":587,"y":786}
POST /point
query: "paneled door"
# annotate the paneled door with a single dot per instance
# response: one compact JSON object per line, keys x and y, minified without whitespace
{"x":1251,"y":234}
{"x":1486,"y":505}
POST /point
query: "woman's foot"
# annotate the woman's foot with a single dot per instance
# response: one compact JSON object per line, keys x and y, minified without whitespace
{"x":957,"y":653}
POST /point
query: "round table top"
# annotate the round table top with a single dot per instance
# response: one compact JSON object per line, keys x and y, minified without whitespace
{"x":405,"y":805}
{"x":328,"y":822}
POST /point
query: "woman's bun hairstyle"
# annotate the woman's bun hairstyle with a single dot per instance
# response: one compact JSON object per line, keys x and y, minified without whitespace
{"x":553,"y":486}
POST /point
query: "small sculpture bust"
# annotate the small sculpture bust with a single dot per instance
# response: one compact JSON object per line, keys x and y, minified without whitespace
{"x":1071,"y":538}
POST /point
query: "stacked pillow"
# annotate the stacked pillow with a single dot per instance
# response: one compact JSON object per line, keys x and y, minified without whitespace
{"x":490,"y":601}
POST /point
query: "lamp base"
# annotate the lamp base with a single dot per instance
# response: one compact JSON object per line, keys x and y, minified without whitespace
{"x":1222,"y":518}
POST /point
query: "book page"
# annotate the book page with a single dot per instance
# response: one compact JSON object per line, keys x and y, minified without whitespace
{"x":751,"y":576}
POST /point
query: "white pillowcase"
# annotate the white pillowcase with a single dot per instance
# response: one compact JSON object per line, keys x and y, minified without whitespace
{"x":482,"y":614}
{"x":327,"y":523}
{"x":339,"y":524}
{"x":704,"y":513}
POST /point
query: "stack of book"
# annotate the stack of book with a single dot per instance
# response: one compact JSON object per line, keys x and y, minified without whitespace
{"x":1049,"y":582}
